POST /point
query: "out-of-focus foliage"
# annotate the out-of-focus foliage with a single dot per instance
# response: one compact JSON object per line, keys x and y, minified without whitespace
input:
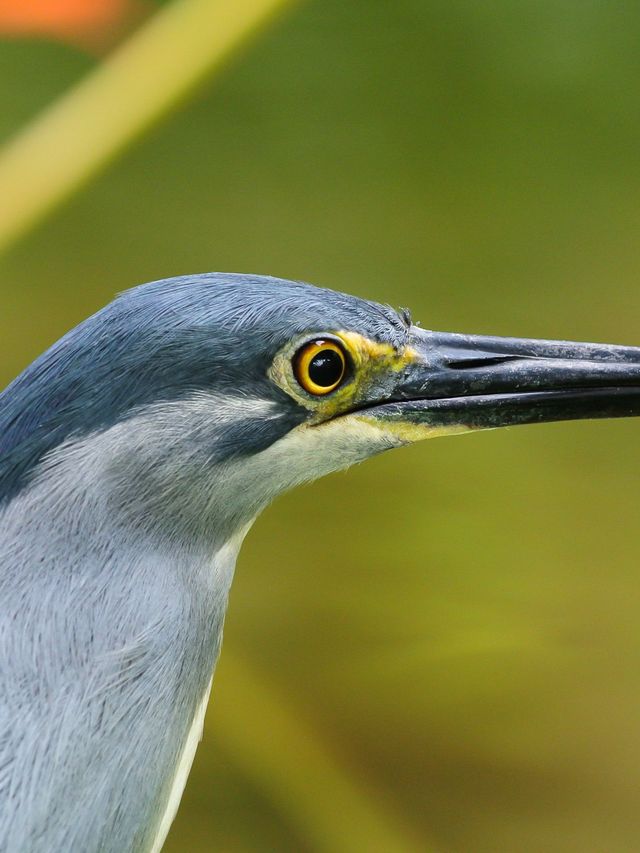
{"x":455,"y":624}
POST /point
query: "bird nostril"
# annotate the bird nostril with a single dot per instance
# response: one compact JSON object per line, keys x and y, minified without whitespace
{"x":482,"y":361}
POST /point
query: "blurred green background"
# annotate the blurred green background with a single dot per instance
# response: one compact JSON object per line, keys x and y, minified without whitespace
{"x":454,"y":627}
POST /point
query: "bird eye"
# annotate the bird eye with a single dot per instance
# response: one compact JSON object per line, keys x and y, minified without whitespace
{"x":320,"y":366}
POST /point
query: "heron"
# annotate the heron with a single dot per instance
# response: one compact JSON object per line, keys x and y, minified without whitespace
{"x":135,"y":454}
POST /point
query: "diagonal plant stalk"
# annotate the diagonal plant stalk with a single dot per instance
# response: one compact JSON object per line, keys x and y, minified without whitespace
{"x":135,"y":87}
{"x":327,"y":803}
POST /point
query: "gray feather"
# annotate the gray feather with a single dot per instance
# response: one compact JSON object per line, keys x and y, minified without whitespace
{"x":134,"y":455}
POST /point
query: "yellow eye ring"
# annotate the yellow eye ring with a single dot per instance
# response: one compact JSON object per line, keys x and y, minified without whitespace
{"x":320,"y":366}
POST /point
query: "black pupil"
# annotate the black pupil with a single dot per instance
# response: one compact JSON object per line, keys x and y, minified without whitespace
{"x":326,"y":368}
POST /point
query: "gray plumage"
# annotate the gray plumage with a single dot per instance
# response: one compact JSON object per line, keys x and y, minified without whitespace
{"x":125,"y":486}
{"x":134,"y":456}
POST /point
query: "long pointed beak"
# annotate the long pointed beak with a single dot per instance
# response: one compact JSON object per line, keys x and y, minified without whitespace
{"x":481,"y":382}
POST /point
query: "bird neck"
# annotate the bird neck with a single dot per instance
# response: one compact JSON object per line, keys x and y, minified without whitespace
{"x":111,"y":634}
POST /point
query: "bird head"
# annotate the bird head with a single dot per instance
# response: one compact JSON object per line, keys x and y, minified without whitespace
{"x":190,"y":403}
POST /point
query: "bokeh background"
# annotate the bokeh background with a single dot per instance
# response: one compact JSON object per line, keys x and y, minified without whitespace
{"x":439,"y":650}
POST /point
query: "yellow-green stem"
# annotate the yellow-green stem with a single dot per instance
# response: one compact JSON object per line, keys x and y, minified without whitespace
{"x":80,"y":133}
